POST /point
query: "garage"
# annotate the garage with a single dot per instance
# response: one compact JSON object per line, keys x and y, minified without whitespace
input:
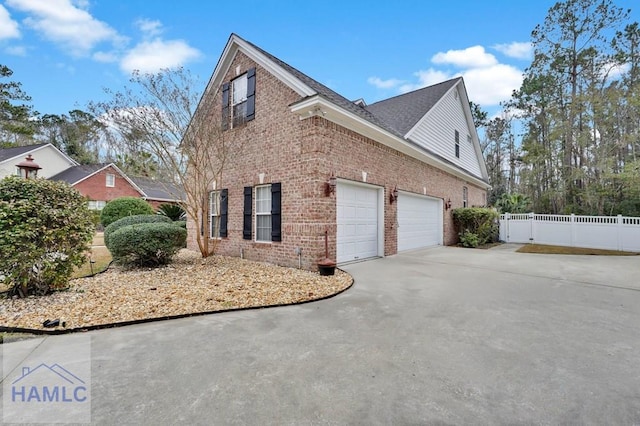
{"x":419,"y":221}
{"x":358,"y":220}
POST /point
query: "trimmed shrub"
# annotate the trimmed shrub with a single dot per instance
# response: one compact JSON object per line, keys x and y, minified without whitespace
{"x":146,"y":244}
{"x":132,"y":220}
{"x":45,"y":230}
{"x":122,"y":207}
{"x":479,"y":221}
{"x":181,"y":223}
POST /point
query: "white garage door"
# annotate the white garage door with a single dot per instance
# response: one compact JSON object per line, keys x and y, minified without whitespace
{"x":419,"y":222}
{"x":357,"y":219}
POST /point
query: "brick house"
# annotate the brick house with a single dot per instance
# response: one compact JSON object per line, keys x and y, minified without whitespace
{"x":101,"y":183}
{"x":378,"y":178}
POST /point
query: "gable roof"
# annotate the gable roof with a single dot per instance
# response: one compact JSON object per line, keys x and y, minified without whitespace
{"x":158,"y":190}
{"x":20,"y":151}
{"x":375,"y":121}
{"x":401,"y":113}
{"x":75,"y":175}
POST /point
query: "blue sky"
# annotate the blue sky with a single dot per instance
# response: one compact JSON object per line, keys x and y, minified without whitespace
{"x":65,"y":52}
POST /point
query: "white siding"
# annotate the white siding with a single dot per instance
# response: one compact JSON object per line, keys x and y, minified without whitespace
{"x":436,"y":133}
{"x":47,"y":157}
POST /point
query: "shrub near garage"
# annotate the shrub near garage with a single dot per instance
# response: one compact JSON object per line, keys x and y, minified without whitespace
{"x":146,"y":244}
{"x":45,"y":230}
{"x":476,"y":225}
{"x":133,"y":220}
{"x":122,"y":207}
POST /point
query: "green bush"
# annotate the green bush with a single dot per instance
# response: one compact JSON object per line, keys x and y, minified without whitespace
{"x":469,"y":239}
{"x":122,"y":207}
{"x":479,"y":221}
{"x":132,"y":220}
{"x":172,"y":211}
{"x":45,"y":230}
{"x":146,"y":244}
{"x":181,"y":223}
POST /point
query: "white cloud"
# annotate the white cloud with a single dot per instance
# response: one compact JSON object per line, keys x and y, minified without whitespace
{"x":426,"y":78}
{"x":516,"y":49}
{"x":384,"y":84}
{"x":8,"y":27}
{"x":149,"y":28}
{"x":471,"y":57}
{"x":105,"y":57}
{"x":16,"y":50}
{"x":152,"y":56}
{"x":66,"y":23}
{"x":491,"y":85}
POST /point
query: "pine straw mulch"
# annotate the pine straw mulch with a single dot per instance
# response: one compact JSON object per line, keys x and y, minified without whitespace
{"x":189,"y":285}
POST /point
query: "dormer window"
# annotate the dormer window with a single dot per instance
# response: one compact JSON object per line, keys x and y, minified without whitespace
{"x":239,"y":100}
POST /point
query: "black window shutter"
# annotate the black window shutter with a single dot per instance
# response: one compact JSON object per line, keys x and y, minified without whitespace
{"x":251,"y":94}
{"x":225,"y":106}
{"x":246,"y":224}
{"x":224,"y":207}
{"x":276,"y":207}
{"x":205,"y":211}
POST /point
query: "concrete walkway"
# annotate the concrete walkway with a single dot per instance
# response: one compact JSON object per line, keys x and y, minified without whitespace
{"x":443,"y":335}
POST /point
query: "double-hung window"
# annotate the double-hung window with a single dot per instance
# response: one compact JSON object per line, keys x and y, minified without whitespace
{"x":457,"y":141}
{"x":465,"y":197}
{"x":239,"y":100}
{"x":214,"y":214}
{"x":111,"y":180}
{"x":263,"y":213}
{"x":218,"y":207}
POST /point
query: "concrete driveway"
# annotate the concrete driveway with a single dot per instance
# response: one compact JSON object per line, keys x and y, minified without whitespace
{"x":437,"y":336}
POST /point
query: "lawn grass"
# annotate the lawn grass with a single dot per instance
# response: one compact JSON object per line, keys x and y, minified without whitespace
{"x":101,"y":259}
{"x":547,"y":249}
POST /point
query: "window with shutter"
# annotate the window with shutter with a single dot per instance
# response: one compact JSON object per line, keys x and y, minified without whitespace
{"x":239,"y":100}
{"x":218,"y":206}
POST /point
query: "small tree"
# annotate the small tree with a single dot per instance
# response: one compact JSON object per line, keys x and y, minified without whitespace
{"x":163,"y":116}
{"x":45,"y":230}
{"x":122,"y":207}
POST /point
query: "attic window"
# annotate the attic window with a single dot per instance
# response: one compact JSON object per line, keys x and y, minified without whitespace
{"x":111,"y":180}
{"x":238,"y":100}
{"x":457,"y":141}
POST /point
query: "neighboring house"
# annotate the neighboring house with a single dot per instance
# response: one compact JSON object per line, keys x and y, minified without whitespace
{"x":50,"y":158}
{"x":101,"y":183}
{"x":379,"y":179}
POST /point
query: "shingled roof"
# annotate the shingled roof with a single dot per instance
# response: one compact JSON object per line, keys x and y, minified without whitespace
{"x":401,"y":113}
{"x":7,"y":153}
{"x":77,"y":173}
{"x":324,"y":91}
{"x":158,"y":190}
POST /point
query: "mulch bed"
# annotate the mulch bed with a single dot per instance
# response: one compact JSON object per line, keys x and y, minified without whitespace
{"x":189,"y":285}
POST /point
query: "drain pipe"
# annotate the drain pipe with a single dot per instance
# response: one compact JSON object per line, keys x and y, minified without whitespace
{"x":298,"y":251}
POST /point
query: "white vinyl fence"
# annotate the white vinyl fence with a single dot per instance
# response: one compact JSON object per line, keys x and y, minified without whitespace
{"x":601,"y":232}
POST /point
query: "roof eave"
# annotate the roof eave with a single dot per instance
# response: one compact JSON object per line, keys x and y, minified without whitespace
{"x":317,"y":106}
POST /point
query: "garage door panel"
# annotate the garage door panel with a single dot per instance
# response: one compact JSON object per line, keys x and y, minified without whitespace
{"x":419,"y":222}
{"x":357,"y":217}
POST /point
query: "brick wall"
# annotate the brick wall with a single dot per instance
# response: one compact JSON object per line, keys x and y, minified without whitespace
{"x":301,"y":154}
{"x":95,"y":187}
